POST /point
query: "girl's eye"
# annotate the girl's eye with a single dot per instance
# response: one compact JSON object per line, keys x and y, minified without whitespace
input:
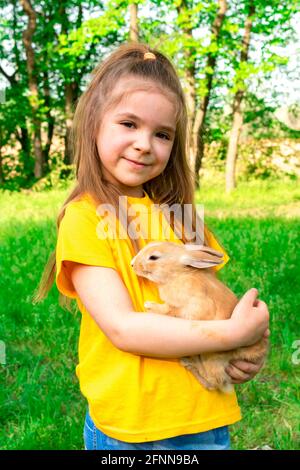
{"x":127,"y":124}
{"x":131,"y":125}
{"x":163,"y":136}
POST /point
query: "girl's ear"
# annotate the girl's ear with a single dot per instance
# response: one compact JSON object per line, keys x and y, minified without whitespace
{"x":199,"y":256}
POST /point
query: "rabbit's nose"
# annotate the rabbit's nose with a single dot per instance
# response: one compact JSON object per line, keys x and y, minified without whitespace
{"x":132,"y":261}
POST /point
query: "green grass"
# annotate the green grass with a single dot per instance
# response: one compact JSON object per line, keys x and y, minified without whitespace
{"x":259,"y":226}
{"x":40,"y":403}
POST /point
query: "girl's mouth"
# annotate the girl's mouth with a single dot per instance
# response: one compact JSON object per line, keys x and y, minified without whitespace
{"x":135,"y":164}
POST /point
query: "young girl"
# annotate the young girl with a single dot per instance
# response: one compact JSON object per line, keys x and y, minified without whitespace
{"x":129,"y":136}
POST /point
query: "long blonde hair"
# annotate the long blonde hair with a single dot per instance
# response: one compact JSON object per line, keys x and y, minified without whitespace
{"x":175,"y":185}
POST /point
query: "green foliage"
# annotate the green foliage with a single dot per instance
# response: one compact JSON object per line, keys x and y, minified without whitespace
{"x":258,"y":159}
{"x":72,"y":47}
{"x":59,"y":177}
{"x":260,"y":120}
{"x":72,"y":36}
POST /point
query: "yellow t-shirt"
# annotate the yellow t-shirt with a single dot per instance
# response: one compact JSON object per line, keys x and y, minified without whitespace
{"x":132,"y":398}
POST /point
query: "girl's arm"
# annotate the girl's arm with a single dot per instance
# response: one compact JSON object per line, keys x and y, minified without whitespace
{"x":106,"y":298}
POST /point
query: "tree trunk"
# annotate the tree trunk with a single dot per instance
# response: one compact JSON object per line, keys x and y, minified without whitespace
{"x":237,"y":115}
{"x":191,"y":105}
{"x":47,"y":93}
{"x":23,"y":135}
{"x":190,"y":94}
{"x":28,"y":162}
{"x":69,"y":118}
{"x":1,"y":169}
{"x":237,"y":123}
{"x":197,"y":116}
{"x":50,"y":121}
{"x":210,"y":65}
{"x":134,"y":29}
{"x":33,"y":87}
{"x":71,"y":87}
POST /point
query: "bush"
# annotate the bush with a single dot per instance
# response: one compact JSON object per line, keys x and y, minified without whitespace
{"x":59,"y":178}
{"x":262,"y":158}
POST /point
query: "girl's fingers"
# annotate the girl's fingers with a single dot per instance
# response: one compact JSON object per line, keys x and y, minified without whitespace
{"x":242,"y":371}
{"x":246,"y":367}
{"x":237,"y":374}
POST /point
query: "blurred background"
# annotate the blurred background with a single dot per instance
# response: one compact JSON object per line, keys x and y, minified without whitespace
{"x":239,"y":64}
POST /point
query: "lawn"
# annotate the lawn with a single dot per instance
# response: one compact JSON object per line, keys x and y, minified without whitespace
{"x":40,"y":403}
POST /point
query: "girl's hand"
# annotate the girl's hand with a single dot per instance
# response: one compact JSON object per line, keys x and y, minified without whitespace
{"x":243,"y":371}
{"x":250,"y":319}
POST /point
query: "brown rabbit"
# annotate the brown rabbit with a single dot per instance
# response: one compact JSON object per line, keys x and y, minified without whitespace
{"x":191,"y":290}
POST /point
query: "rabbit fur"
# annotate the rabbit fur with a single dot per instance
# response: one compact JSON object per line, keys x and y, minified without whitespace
{"x":190,"y":289}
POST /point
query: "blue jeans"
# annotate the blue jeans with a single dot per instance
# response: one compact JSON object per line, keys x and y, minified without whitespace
{"x":216,"y":439}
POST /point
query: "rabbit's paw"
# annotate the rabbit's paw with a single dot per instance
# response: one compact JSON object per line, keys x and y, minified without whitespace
{"x":150,"y":306}
{"x":157,"y":308}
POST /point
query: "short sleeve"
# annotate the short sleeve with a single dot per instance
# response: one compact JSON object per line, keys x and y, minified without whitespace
{"x":79,"y":241}
{"x":213,"y":243}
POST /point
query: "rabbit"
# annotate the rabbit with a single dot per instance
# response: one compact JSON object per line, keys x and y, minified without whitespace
{"x":191,"y":290}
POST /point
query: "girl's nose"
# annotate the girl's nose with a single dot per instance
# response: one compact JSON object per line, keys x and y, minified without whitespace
{"x":142,"y":142}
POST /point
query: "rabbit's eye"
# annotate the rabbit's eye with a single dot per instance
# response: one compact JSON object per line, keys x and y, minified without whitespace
{"x":153,"y":257}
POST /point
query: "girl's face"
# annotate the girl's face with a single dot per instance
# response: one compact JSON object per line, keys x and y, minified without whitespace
{"x":136,"y":135}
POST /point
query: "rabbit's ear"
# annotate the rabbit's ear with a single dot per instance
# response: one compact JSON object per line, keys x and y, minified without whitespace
{"x":203,"y":248}
{"x":200,"y":263}
{"x":201,"y":257}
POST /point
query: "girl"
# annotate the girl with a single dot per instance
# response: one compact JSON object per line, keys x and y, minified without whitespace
{"x":129,"y":138}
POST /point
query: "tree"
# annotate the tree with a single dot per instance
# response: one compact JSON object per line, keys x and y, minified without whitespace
{"x":16,"y":106}
{"x":134,"y":29}
{"x":195,"y":59}
{"x":53,"y":49}
{"x":33,"y":85}
{"x":237,"y":116}
{"x":270,"y":22}
{"x":197,"y":145}
{"x":79,"y":48}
